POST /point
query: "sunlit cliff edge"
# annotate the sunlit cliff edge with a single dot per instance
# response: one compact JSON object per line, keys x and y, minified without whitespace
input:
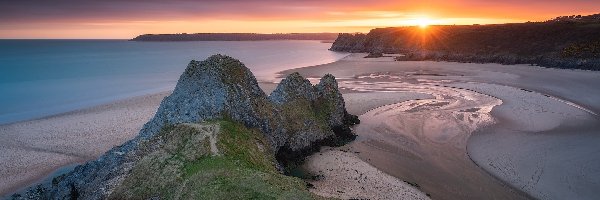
{"x":564,"y":42}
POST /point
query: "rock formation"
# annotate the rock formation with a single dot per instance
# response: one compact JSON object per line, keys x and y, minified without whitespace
{"x":295,"y":119}
{"x":354,"y":43}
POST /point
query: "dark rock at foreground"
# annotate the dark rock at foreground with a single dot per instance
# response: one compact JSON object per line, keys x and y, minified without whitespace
{"x":296,"y":119}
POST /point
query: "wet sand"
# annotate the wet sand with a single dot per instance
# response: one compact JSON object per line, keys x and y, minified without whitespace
{"x":424,"y":141}
{"x":560,"y":141}
{"x":577,"y":86}
{"x":525,"y":151}
{"x":341,"y":173}
{"x":400,"y":135}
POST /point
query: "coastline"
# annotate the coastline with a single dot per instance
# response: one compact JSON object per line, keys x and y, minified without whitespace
{"x":366,"y":87}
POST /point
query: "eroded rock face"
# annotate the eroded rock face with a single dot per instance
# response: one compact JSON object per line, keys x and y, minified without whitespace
{"x":293,"y":87}
{"x":311,"y":113}
{"x":297,"y":117}
{"x":295,"y":96}
{"x":218,"y":87}
{"x":349,"y":42}
{"x":328,"y":91}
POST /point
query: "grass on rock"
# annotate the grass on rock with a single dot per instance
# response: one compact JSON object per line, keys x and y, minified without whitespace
{"x":178,"y":164}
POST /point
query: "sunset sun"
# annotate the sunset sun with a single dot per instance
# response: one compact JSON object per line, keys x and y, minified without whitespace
{"x":423,"y":22}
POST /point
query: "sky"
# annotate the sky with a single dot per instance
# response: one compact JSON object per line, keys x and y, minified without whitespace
{"x":104,"y":19}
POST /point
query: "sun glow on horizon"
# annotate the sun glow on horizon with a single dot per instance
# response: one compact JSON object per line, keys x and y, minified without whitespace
{"x":108,"y":20}
{"x":423,"y":22}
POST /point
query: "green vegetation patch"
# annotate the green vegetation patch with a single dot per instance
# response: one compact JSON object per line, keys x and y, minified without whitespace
{"x":179,"y":164}
{"x":299,"y":111}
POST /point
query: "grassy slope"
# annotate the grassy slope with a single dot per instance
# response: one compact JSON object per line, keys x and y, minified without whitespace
{"x":177,"y":164}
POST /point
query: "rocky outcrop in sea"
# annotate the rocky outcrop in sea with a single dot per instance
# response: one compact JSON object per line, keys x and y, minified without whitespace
{"x":294,"y":120}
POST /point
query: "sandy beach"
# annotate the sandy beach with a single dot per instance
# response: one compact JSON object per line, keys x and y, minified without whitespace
{"x":34,"y":149}
{"x":542,"y":146}
{"x":533,"y":137}
{"x":435,"y":130}
{"x":342,"y":174}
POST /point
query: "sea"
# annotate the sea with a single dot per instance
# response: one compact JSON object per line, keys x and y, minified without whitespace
{"x":40,"y":78}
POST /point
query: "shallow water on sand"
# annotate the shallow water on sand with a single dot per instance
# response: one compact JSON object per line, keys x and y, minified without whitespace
{"x":44,"y":77}
{"x":423,"y":141}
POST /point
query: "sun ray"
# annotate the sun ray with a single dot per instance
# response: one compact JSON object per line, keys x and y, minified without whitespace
{"x":423,"y":22}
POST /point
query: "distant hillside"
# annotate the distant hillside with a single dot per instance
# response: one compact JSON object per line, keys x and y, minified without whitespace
{"x":563,"y":42}
{"x":235,"y":37}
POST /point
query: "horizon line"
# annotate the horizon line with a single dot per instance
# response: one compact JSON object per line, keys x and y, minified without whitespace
{"x":83,"y":38}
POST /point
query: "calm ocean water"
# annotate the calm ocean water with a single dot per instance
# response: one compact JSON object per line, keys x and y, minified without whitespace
{"x":44,"y":77}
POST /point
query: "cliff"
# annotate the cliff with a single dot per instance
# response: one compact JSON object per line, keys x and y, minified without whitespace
{"x":565,"y":42}
{"x":235,"y":37}
{"x":216,"y":133}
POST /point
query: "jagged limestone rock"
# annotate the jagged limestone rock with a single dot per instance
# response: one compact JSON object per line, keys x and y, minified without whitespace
{"x":295,"y":96}
{"x":292,"y":87}
{"x":218,"y":87}
{"x":311,"y":113}
{"x":297,"y":117}
{"x":349,"y":42}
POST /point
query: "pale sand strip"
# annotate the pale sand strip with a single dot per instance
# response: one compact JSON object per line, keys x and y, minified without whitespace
{"x":341,"y":174}
{"x":33,"y":149}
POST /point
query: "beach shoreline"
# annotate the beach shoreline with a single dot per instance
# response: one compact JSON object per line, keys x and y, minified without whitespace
{"x":368,"y":86}
{"x":561,"y":93}
{"x":36,"y":148}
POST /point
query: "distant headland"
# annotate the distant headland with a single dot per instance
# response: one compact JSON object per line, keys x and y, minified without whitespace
{"x":564,"y":42}
{"x":235,"y":37}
